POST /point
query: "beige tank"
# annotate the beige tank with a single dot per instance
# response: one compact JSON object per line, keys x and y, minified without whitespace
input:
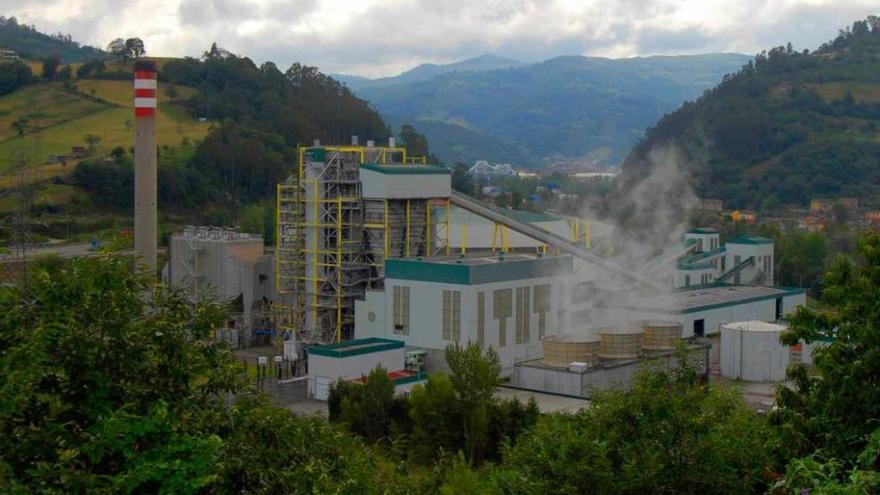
{"x":661,"y":335}
{"x":621,"y":343}
{"x":562,"y":350}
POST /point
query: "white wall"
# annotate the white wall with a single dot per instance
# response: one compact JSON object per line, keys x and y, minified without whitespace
{"x":403,"y":186}
{"x":695,"y":277}
{"x":325,"y":370}
{"x":426,"y":317}
{"x":759,"y":251}
{"x":753,"y":355}
{"x":374,"y":302}
{"x":764,"y":310}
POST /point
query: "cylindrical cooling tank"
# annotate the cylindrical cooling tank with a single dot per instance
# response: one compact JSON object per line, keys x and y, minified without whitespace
{"x":751,"y":351}
{"x":621,"y":343}
{"x":562,"y":350}
{"x":661,"y":335}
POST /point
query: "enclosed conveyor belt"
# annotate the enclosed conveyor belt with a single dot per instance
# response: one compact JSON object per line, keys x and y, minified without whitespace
{"x":738,"y":268}
{"x":555,"y":241}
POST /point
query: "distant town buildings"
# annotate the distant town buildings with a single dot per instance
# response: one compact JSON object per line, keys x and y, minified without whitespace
{"x":710,"y":204}
{"x":7,"y":54}
{"x":825,"y":206}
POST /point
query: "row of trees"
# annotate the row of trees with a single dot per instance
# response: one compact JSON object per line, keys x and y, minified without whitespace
{"x":108,"y":384}
{"x":451,"y":413}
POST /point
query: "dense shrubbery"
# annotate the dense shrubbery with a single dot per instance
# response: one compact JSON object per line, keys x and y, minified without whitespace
{"x":449,"y":415}
{"x":14,"y":75}
{"x":108,"y":385}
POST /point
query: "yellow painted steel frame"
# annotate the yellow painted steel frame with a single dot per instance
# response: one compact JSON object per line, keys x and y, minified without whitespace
{"x":408,"y":231}
{"x":429,"y":248}
{"x":387,"y":249}
{"x":464,"y":238}
{"x":448,"y":224}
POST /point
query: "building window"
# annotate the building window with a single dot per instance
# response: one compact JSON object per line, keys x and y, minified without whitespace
{"x":542,"y":307}
{"x":502,"y":309}
{"x":400,"y":310}
{"x":452,"y":315}
{"x":481,"y":319}
{"x":687,"y":280}
{"x":523,"y":314}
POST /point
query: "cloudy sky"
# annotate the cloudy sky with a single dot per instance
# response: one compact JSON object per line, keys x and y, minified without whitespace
{"x":384,"y":37}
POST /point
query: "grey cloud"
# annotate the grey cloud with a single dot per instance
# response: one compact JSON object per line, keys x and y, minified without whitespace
{"x":392,"y":35}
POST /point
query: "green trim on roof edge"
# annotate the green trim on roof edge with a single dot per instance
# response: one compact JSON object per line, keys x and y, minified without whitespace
{"x":406,"y":169}
{"x":344,"y":349}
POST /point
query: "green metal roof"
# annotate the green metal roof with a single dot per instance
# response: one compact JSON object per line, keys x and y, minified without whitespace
{"x":406,"y":169}
{"x":703,"y":231}
{"x":355,"y":347}
{"x":452,"y":272}
{"x":750,"y":239}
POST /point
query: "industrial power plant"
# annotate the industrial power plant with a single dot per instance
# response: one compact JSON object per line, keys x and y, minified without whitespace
{"x":372,"y":266}
{"x":377,"y":261}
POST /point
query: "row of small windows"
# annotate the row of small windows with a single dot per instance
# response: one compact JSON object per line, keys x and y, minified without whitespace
{"x":502,"y":309}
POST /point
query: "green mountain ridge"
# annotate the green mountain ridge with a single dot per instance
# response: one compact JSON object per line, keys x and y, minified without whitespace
{"x":787,"y":128}
{"x":27,"y":42}
{"x":572,"y":106}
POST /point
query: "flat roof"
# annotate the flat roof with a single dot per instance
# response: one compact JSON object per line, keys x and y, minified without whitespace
{"x":703,"y":230}
{"x":355,"y":347}
{"x":406,"y":169}
{"x":755,"y":326}
{"x":749,"y":239}
{"x":706,"y":298}
{"x":399,"y":377}
{"x":477,"y":270}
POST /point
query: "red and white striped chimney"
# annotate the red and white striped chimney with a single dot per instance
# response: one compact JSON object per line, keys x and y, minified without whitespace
{"x":145,"y":168}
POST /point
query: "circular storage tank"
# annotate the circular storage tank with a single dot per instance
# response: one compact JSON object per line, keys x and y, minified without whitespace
{"x":751,"y":351}
{"x":621,"y":343}
{"x":661,"y":335}
{"x":562,"y":350}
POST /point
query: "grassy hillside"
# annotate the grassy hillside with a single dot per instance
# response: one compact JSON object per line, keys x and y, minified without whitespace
{"x":790,"y":127}
{"x":59,"y":119}
{"x":591,"y":108}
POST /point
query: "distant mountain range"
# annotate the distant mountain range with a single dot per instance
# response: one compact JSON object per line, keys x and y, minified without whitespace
{"x":531,"y":114}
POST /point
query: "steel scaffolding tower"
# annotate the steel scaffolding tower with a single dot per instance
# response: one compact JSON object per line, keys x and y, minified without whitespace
{"x":332,"y":243}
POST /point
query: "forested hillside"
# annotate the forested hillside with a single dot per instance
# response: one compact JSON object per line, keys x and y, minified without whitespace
{"x":27,"y":42}
{"x":790,"y":126}
{"x":582,"y":107}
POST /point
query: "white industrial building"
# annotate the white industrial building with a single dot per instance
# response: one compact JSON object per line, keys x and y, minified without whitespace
{"x":742,"y":260}
{"x":702,"y":311}
{"x":506,"y":302}
{"x":352,"y":360}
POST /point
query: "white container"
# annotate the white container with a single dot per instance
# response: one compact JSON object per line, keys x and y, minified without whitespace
{"x":751,"y":351}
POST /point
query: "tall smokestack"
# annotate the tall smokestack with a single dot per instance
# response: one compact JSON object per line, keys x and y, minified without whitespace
{"x":145,"y":174}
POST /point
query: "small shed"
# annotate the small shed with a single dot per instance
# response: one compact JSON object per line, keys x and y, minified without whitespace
{"x":351,"y":360}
